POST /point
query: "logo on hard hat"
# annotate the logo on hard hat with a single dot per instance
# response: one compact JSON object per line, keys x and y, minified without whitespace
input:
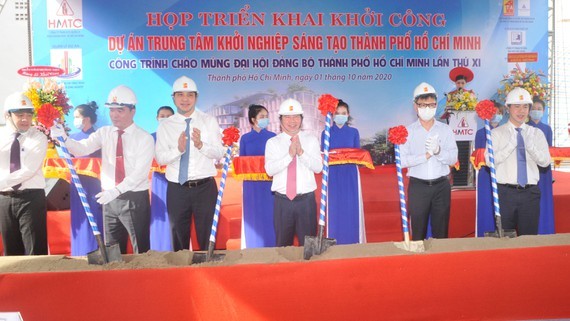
{"x":185,"y":85}
{"x":23,"y":102}
{"x":426,"y":89}
{"x":291,"y":108}
{"x":521,"y":97}
{"x":114,"y":99}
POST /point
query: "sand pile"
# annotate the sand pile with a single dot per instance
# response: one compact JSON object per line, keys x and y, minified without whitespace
{"x":157,"y":260}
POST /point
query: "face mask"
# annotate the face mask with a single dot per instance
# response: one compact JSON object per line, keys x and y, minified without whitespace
{"x":78,"y":123}
{"x":497,"y":118}
{"x":426,"y":113}
{"x":160,"y":120}
{"x":340,"y":119}
{"x":263,"y":123}
{"x":536,"y":114}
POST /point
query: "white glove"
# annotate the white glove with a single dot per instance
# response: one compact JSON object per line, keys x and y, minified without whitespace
{"x":107,"y":196}
{"x":58,"y":131}
{"x":432,"y":145}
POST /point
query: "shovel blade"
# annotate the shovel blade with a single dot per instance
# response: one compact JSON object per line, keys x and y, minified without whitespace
{"x":314,"y":247}
{"x":203,"y":257}
{"x":506,"y":233}
{"x":104,"y":255}
{"x":411,"y":246}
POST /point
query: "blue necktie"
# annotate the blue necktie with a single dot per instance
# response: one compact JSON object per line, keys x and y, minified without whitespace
{"x":185,"y":158}
{"x":521,"y":159}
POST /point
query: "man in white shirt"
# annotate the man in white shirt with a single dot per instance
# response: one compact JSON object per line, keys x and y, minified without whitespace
{"x":519,"y":149}
{"x":292,"y":158}
{"x":428,"y":153}
{"x":127,"y":153}
{"x":188,"y":143}
{"x":22,"y":196}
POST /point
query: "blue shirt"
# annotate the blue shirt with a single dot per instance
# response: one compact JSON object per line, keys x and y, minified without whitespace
{"x":413,"y":152}
{"x":253,"y":143}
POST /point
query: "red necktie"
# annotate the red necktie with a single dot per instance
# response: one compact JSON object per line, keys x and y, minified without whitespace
{"x":120,"y":160}
{"x":292,"y":179}
{"x":15,"y":163}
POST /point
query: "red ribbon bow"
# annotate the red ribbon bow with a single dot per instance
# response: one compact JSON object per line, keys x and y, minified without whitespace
{"x":398,"y":135}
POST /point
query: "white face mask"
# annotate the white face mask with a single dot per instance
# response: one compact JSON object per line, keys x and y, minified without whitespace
{"x":426,"y":113}
{"x":78,"y":123}
{"x":160,"y":120}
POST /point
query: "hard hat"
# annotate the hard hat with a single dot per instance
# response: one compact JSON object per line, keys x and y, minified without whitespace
{"x":290,"y":107}
{"x":18,"y":101}
{"x":121,"y":96}
{"x":184,"y":84}
{"x":423,"y":89}
{"x":518,"y":96}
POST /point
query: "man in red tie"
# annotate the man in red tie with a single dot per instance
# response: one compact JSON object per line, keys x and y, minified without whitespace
{"x":22,"y":196}
{"x":292,"y":158}
{"x":127,"y":153}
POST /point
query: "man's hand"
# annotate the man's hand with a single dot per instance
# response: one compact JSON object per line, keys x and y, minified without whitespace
{"x":182,"y":142}
{"x":432,"y":145}
{"x":293,"y":147}
{"x":196,"y":138}
{"x":107,"y":196}
{"x":58,"y":131}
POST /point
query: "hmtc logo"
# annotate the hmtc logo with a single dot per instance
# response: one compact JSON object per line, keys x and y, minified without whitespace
{"x":64,"y":14}
{"x":463,"y":128}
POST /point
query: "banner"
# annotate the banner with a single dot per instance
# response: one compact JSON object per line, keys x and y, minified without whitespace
{"x":371,"y":54}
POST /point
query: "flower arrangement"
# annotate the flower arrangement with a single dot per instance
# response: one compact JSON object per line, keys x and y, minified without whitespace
{"x":50,"y":102}
{"x":461,"y":100}
{"x":526,"y":79}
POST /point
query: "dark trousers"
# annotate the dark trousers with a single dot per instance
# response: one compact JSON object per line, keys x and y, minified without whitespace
{"x":425,"y":199}
{"x":294,"y":217}
{"x":23,"y":222}
{"x":128,"y":215}
{"x":520,"y":209}
{"x":183,"y":202}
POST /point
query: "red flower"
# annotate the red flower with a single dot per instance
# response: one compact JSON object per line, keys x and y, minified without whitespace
{"x":47,"y":114}
{"x":327,"y":104}
{"x":486,"y":109}
{"x":231,"y":136}
{"x":398,"y":135}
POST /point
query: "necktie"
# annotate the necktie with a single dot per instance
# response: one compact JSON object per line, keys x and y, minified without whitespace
{"x":521,"y":159}
{"x":120,"y":160}
{"x":185,"y":158}
{"x":292,"y":179}
{"x":15,"y":163}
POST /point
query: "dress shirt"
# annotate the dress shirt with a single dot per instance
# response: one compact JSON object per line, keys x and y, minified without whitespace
{"x":413,"y":152}
{"x":138,"y":152}
{"x":277,"y":160}
{"x":33,"y":148}
{"x":201,"y":163}
{"x":504,"y":149}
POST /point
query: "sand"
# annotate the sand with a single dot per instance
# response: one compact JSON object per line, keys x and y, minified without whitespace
{"x":183,"y":259}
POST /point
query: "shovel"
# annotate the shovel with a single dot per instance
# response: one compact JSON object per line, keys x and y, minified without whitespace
{"x":209,"y":256}
{"x":315,"y":245}
{"x":104,"y":254}
{"x":499,"y":232}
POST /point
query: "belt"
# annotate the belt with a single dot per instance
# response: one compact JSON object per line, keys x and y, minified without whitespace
{"x":516,"y":186}
{"x":429,"y":182}
{"x":197,"y":182}
{"x":19,"y":192}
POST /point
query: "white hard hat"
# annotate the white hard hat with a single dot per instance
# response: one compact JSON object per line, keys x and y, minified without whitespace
{"x":423,"y":89}
{"x":121,"y":96}
{"x":184,"y":84}
{"x":290,"y":107}
{"x":518,"y":96}
{"x":18,"y":101}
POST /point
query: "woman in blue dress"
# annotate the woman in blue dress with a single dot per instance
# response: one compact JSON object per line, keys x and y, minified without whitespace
{"x":257,"y":208}
{"x":345,"y":219}
{"x":546,"y":220}
{"x":160,"y":234}
{"x":82,"y":239}
{"x":485,"y":218}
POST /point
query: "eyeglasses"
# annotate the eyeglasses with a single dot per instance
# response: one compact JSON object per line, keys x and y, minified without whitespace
{"x":432,"y":105}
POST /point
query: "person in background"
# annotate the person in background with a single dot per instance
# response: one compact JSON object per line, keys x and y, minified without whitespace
{"x":546,"y":220}
{"x":161,"y":114}
{"x":22,"y":195}
{"x":293,"y":158}
{"x":160,"y":235}
{"x":428,"y":153}
{"x":344,"y":204}
{"x":82,"y":239}
{"x":485,"y":218}
{"x":257,"y":209}
{"x":127,"y":152}
{"x":519,"y":149}
{"x":188,"y":143}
